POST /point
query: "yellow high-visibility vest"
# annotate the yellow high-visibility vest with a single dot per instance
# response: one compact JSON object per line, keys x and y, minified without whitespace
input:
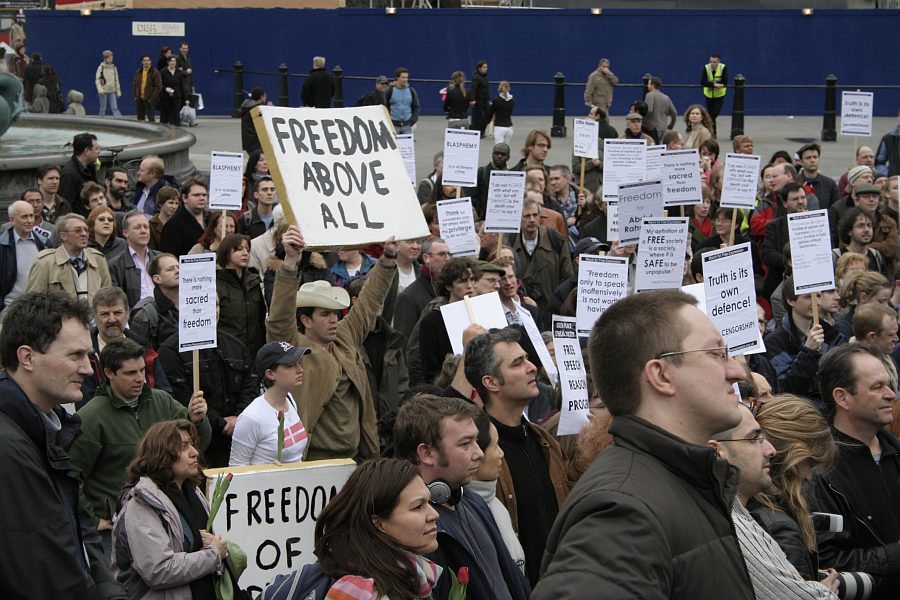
{"x":713,"y":92}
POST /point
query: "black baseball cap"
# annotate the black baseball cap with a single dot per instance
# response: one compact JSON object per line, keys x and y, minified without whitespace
{"x":278,"y":353}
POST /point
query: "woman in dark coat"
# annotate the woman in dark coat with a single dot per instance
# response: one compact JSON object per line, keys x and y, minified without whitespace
{"x":171,"y":99}
{"x":50,"y":80}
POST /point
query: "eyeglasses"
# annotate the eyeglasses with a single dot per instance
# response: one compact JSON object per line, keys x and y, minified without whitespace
{"x":105,"y":219}
{"x":720,"y":352}
{"x":759,"y":438}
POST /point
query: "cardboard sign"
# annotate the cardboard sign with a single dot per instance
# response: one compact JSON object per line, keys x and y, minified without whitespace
{"x":407,"y":146}
{"x":731,"y":296}
{"x":661,"y":254}
{"x":587,"y":133}
{"x":534,"y":334}
{"x":624,"y":161}
{"x":457,"y":224}
{"x":339,"y":175}
{"x":197,"y":302}
{"x":271,"y":511}
{"x":226,"y":180}
{"x":810,"y":239}
{"x":636,"y":201}
{"x":488,"y":313}
{"x":602,"y":281}
{"x":739,"y":184}
{"x":504,"y":202}
{"x":573,"y":413}
{"x":653,"y":171}
{"x":856,"y":113}
{"x":461,"y":157}
{"x":681,"y":177}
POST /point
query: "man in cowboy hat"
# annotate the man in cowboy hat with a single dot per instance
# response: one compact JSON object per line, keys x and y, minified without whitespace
{"x":335,"y":401}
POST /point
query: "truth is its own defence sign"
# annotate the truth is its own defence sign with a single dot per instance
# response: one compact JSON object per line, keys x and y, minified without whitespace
{"x":339,"y":174}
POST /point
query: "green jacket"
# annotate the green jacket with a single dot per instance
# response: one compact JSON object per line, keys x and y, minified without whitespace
{"x":110,"y":434}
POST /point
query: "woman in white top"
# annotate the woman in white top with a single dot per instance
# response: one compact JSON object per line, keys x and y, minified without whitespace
{"x":255,"y":437}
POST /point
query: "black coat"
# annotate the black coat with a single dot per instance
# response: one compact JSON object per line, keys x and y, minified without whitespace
{"x":8,"y":265}
{"x":126,"y":275}
{"x":456,"y":104}
{"x":411,"y":302}
{"x":249,"y":137}
{"x":180,"y":233}
{"x":242,"y":308}
{"x":501,"y":111}
{"x":317,"y":89}
{"x":179,"y":83}
{"x":73,"y":177}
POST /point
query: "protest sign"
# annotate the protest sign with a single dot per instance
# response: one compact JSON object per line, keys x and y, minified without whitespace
{"x":586,"y":138}
{"x":624,"y":161}
{"x":856,"y":113}
{"x":636,"y":201}
{"x":534,"y":334}
{"x":731,"y":296}
{"x":197,"y":302}
{"x":504,"y":202}
{"x":602,"y":281}
{"x":488,"y":313}
{"x":739,"y":183}
{"x":226,"y":180}
{"x":612,"y":220}
{"x":573,"y":413}
{"x":698,"y":291}
{"x":270,"y":511}
{"x":810,"y":239}
{"x":461,"y":157}
{"x":661,"y":254}
{"x":339,"y":175}
{"x":653,"y":170}
{"x":681,"y":177}
{"x":457,"y":223}
{"x":407,"y":146}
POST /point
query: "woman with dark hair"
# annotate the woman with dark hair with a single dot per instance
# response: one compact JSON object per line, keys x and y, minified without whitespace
{"x":457,"y":102}
{"x":256,"y":169}
{"x":50,"y":80}
{"x":160,"y":546}
{"x":212,"y":235}
{"x":173,"y":95}
{"x":103,"y":233}
{"x":163,"y":60}
{"x":372,"y":536}
{"x":709,"y":159}
{"x":698,"y":126}
{"x":242,"y":308}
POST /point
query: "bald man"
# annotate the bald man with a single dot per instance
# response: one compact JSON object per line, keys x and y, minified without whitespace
{"x":19,"y":248}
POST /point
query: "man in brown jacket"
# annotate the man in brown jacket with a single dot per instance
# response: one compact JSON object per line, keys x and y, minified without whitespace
{"x":532,"y":482}
{"x":335,"y":401}
{"x":146,"y":87}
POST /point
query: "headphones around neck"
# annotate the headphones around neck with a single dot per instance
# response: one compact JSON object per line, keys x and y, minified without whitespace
{"x":442,"y":493}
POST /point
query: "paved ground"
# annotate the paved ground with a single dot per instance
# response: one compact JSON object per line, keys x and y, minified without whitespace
{"x":769,"y":135}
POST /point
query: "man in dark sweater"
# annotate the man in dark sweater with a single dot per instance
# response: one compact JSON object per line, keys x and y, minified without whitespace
{"x":532,"y":482}
{"x":186,"y":226}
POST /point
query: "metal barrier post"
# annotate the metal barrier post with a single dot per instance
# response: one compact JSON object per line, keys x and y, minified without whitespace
{"x":829,"y":132}
{"x":238,"y":89}
{"x":737,"y":110}
{"x":283,"y":92}
{"x":337,"y":100}
{"x":559,"y":106}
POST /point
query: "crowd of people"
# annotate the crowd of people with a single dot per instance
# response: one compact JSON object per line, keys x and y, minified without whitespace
{"x":679,"y":487}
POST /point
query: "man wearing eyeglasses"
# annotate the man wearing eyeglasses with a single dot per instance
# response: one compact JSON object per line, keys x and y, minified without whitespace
{"x":413,"y":300}
{"x":773,"y":577}
{"x":651,"y":517}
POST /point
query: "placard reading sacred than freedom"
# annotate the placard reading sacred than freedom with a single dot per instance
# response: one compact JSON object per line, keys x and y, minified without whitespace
{"x":339,"y":174}
{"x":197,"y":302}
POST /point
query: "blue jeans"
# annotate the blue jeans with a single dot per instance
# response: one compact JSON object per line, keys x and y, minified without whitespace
{"x":113,"y":104}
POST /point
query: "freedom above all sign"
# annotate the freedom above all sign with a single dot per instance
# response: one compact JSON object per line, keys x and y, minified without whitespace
{"x":340,"y":174}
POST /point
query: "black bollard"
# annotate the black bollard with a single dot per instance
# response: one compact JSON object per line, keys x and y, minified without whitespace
{"x":737,"y":110}
{"x":645,"y":81}
{"x":284,"y":98}
{"x":238,"y":89}
{"x":337,"y":101}
{"x":559,"y":106}
{"x":829,"y":130}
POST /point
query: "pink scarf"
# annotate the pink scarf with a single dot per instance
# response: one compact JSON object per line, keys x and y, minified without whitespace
{"x":354,"y":587}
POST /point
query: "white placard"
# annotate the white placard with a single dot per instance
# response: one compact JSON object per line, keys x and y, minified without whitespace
{"x":636,"y":201}
{"x":731,"y":296}
{"x":270,"y":512}
{"x":587,"y":132}
{"x":661,"y":254}
{"x":488,"y":313}
{"x":573,"y":413}
{"x":226,"y":180}
{"x":653,"y":170}
{"x":534,"y":334}
{"x":740,"y":182}
{"x":339,"y":175}
{"x":612,"y":220}
{"x":506,"y":190}
{"x":698,"y":291}
{"x":810,"y":239}
{"x":197,"y":302}
{"x":681,"y":177}
{"x":461,"y":157}
{"x":602,"y":281}
{"x":624,"y":161}
{"x":856,"y":113}
{"x":407,"y":146}
{"x":157,"y":29}
{"x":457,"y":224}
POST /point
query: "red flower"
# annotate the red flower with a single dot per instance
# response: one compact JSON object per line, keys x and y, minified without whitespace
{"x":463,"y":575}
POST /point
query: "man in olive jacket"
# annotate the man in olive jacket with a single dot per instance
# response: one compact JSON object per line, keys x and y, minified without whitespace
{"x":651,"y":517}
{"x":335,"y":401}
